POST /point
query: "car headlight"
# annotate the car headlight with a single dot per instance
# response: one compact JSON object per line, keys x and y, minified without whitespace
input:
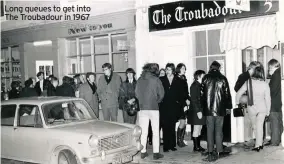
{"x":137,"y":132}
{"x":93,"y":141}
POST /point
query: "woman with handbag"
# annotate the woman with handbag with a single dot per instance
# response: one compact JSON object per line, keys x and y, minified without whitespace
{"x":127,"y":101}
{"x":241,"y":110}
{"x":259,"y":101}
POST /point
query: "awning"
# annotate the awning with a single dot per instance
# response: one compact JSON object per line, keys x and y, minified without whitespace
{"x":253,"y":32}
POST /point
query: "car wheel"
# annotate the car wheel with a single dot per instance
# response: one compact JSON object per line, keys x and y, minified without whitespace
{"x":66,"y":157}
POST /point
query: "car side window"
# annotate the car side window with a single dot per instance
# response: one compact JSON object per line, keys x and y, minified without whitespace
{"x":29,"y":116}
{"x":8,"y":113}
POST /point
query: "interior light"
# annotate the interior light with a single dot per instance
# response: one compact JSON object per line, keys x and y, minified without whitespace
{"x":40,"y":43}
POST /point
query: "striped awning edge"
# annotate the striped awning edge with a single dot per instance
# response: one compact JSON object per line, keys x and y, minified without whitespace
{"x":254,"y":32}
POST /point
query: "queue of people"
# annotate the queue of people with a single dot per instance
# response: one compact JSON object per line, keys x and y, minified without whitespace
{"x":162,"y":97}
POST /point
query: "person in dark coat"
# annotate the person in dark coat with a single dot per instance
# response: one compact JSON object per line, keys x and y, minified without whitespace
{"x":127,"y":95}
{"x":217,"y":99}
{"x":275,"y":116}
{"x":51,"y":90}
{"x":180,"y":71}
{"x":28,"y":90}
{"x":66,"y":89}
{"x":196,"y":117}
{"x":170,"y":107}
{"x":88,"y":92}
{"x":42,"y":84}
{"x":15,"y":91}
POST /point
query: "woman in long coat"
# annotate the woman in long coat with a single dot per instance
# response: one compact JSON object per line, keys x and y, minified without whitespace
{"x":180,"y":70}
{"x":88,"y":91}
{"x":170,"y":106}
{"x":127,"y":95}
{"x":196,"y":117}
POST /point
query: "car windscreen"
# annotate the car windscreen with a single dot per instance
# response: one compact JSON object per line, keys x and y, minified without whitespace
{"x":66,"y":112}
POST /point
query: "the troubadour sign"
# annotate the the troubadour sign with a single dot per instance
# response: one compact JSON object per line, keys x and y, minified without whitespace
{"x":194,"y":13}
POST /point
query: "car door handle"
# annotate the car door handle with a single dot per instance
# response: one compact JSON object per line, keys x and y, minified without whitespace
{"x":15,"y":128}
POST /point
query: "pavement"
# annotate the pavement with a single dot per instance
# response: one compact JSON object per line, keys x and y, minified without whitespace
{"x":240,"y":155}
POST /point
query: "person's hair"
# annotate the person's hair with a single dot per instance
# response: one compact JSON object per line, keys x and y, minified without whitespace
{"x":15,"y":84}
{"x":198,"y":73}
{"x":88,"y":75}
{"x":179,"y":66}
{"x":66,"y":80}
{"x":39,"y":74}
{"x":253,"y":65}
{"x":152,"y":68}
{"x":54,"y":79}
{"x":172,"y":66}
{"x":107,"y":65}
{"x":215,"y":66}
{"x":130,"y":70}
{"x":162,"y":70}
{"x":258,"y":73}
{"x":274,"y":63}
{"x":28,"y":83}
{"x":50,"y":76}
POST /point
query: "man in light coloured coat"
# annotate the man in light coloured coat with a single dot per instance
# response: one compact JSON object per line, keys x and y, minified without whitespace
{"x":108,"y":91}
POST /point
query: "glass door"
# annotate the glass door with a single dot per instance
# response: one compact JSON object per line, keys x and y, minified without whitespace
{"x":45,"y":66}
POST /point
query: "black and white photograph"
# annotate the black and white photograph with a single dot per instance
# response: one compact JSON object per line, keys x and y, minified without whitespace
{"x":142,"y":81}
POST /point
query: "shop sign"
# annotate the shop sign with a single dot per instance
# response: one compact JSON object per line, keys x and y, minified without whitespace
{"x":238,"y":4}
{"x":89,"y":28}
{"x":193,"y":13}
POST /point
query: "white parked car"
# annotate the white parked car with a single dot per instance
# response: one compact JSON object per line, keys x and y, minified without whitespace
{"x":59,"y":130}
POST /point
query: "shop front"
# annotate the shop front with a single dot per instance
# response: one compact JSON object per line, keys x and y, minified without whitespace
{"x":197,"y":33}
{"x":68,"y":48}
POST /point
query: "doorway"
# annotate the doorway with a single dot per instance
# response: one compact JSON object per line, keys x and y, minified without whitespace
{"x":45,"y":66}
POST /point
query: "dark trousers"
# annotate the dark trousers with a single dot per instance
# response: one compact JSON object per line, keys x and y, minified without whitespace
{"x":169,"y":134}
{"x":214,"y":132}
{"x":276,"y":126}
{"x":150,"y":133}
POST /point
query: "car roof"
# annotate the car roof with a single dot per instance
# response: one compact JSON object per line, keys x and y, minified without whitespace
{"x":38,"y":100}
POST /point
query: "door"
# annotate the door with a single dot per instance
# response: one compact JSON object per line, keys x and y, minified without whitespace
{"x":30,"y":135}
{"x":7,"y":130}
{"x":45,"y":66}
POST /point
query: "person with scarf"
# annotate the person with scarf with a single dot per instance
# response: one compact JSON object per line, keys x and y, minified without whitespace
{"x":259,"y":101}
{"x":108,"y":91}
{"x":88,"y":91}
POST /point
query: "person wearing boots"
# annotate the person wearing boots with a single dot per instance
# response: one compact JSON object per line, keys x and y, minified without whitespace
{"x":196,"y":117}
{"x":180,"y":71}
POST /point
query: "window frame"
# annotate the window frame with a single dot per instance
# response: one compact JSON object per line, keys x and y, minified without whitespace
{"x":207,"y":56}
{"x":79,"y":58}
{"x":14,"y":121}
{"x":7,"y":78}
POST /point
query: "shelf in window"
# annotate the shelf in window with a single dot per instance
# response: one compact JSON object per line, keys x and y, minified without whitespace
{"x":86,"y":55}
{"x":101,"y":54}
{"x":119,"y":52}
{"x":71,"y":56}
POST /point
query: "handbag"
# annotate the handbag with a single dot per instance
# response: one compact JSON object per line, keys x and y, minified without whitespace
{"x":238,"y":112}
{"x":132,"y":109}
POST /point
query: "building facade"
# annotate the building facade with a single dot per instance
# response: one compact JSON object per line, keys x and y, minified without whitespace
{"x":69,"y":47}
{"x":197,"y":33}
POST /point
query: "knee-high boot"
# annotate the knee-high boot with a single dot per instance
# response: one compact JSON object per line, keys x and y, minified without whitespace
{"x":180,"y":137}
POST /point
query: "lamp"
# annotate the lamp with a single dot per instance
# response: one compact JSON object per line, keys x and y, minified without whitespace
{"x":41,"y":43}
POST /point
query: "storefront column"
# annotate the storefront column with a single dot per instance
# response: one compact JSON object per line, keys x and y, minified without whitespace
{"x":142,"y":40}
{"x":233,"y":69}
{"x":22,"y":63}
{"x":62,"y":69}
